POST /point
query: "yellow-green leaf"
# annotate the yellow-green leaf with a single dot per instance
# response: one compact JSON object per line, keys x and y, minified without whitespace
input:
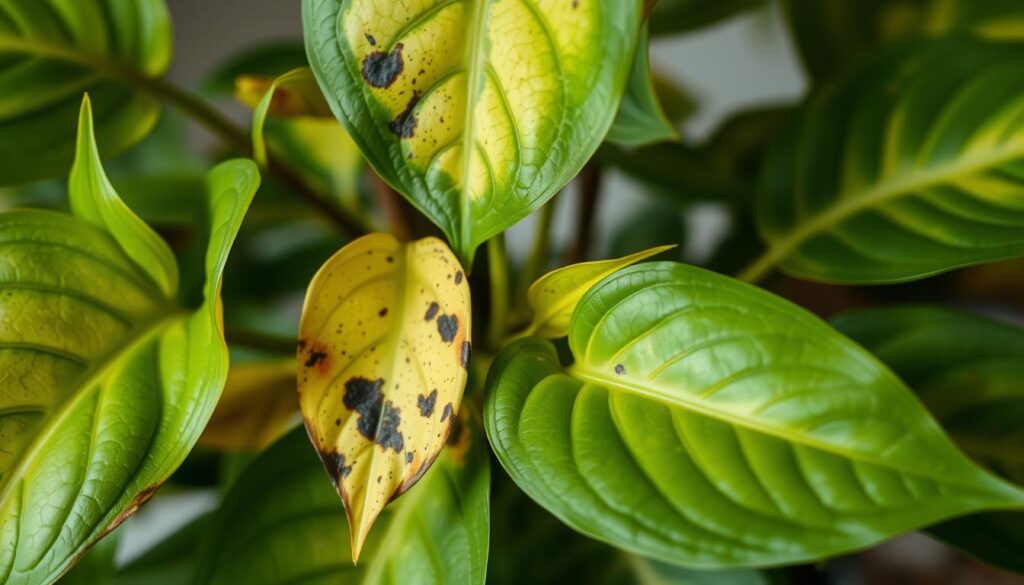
{"x":291,"y":95}
{"x":554,"y":296}
{"x":478,"y":112}
{"x":384,"y":347}
{"x":256,"y":407}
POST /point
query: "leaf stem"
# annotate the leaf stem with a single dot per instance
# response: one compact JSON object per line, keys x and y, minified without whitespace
{"x":540,"y":253}
{"x":497,"y":263}
{"x":761,"y":267}
{"x":590,"y":193}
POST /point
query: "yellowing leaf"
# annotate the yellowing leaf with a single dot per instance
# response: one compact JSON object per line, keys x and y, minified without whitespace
{"x":291,"y":95}
{"x":554,"y":296}
{"x":384,"y":347}
{"x":255,"y":408}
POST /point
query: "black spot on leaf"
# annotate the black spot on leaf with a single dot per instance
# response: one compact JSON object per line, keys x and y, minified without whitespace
{"x":381,"y":69}
{"x":371,"y":40}
{"x":336,"y":468}
{"x":408,"y":457}
{"x":383,"y":312}
{"x":458,"y":277}
{"x":467,"y":349}
{"x":431,"y":312}
{"x":314,"y":358}
{"x":426,"y":404}
{"x":378,"y":421}
{"x":405,"y":124}
{"x":448,"y":327}
{"x":390,"y":436}
{"x":620,"y":369}
{"x":446,"y":412}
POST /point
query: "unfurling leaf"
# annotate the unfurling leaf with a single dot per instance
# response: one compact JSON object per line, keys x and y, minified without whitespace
{"x":107,"y":381}
{"x":642,"y":119}
{"x":554,"y":296}
{"x":909,"y":167}
{"x":52,"y":52}
{"x":256,"y":407}
{"x":281,"y":523}
{"x":384,"y":347}
{"x":709,"y":423}
{"x":478,"y":112}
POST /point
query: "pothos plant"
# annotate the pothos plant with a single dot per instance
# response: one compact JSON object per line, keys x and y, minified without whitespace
{"x":652,"y":420}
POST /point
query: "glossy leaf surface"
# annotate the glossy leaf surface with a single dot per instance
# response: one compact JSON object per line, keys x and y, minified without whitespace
{"x":384,"y":348}
{"x":709,"y":423}
{"x":52,"y":52}
{"x":281,"y":523}
{"x":478,"y":112}
{"x":911,"y":166}
{"x":257,"y":406}
{"x":107,"y":383}
{"x":641,"y":119}
{"x":554,"y":296}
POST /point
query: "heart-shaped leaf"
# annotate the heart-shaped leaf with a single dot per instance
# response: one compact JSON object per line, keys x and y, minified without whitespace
{"x":478,"y":112}
{"x":383,"y":356}
{"x":51,"y":52}
{"x":554,"y":296}
{"x":107,"y":382}
{"x":969,"y":372}
{"x":905,"y":169}
{"x":257,"y":406}
{"x":641,"y":119}
{"x":709,"y":423}
{"x":281,"y":523}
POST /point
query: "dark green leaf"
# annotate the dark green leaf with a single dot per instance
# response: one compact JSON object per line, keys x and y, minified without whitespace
{"x":641,"y":119}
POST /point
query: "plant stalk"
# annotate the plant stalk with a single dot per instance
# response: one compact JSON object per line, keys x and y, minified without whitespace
{"x":497,"y":261}
{"x":590,"y":194}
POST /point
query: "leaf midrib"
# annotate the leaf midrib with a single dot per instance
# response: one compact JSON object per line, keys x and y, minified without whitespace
{"x":850,"y":205}
{"x":82,"y":389}
{"x":1008,"y":493}
{"x":69,"y":54}
{"x":475,"y":70}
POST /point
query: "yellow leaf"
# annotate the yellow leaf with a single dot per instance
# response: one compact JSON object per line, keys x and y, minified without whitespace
{"x":554,"y":296}
{"x":256,"y":407}
{"x":384,"y":348}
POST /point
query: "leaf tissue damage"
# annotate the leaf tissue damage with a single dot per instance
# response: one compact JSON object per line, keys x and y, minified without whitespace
{"x":384,"y":343}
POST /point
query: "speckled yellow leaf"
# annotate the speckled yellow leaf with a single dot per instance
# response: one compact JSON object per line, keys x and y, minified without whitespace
{"x":554,"y":296}
{"x":383,"y":353}
{"x":256,"y":407}
{"x":478,"y":111}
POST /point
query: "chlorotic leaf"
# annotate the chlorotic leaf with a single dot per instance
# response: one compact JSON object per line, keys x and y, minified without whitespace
{"x":554,"y":296}
{"x":641,"y":119}
{"x":967,"y":370}
{"x":257,"y":406}
{"x":50,"y":53}
{"x":107,"y":382}
{"x":281,"y":523}
{"x":383,"y":356}
{"x":478,"y":112}
{"x":293,"y":94}
{"x":909,"y":167}
{"x":708,"y":423}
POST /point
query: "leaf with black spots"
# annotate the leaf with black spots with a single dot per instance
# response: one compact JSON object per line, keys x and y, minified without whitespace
{"x":383,"y":342}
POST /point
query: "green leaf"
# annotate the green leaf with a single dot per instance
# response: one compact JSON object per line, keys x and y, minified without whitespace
{"x":912,"y":166}
{"x":967,"y":370}
{"x":709,"y":423}
{"x":282,"y":523}
{"x":554,"y":296}
{"x":641,"y":119}
{"x":478,"y":112}
{"x":269,"y":60}
{"x":679,"y":16}
{"x":293,"y":94}
{"x":107,"y":382}
{"x":680,"y":173}
{"x":383,"y":359}
{"x":51,"y":52}
{"x":651,"y":225}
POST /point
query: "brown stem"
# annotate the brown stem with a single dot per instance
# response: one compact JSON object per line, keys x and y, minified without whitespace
{"x":590,"y":192}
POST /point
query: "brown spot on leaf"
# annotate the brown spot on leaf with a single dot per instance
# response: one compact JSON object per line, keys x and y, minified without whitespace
{"x":302,"y":344}
{"x":381,"y":69}
{"x":446,"y":412}
{"x":620,"y":369}
{"x":408,"y":457}
{"x":405,"y":124}
{"x":458,"y":277}
{"x":315,"y":357}
{"x":336,"y":468}
{"x":371,"y":40}
{"x":426,"y":404}
{"x":431,"y":312}
{"x":389,"y":436}
{"x":383,"y":312}
{"x":448,"y":327}
{"x":467,"y":349}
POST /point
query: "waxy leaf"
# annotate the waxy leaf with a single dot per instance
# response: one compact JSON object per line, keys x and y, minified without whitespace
{"x":708,"y":423}
{"x":478,"y":112}
{"x":107,"y":381}
{"x":383,"y":357}
{"x":969,"y":372}
{"x":51,"y":52}
{"x":554,"y":296}
{"x":281,"y":523}
{"x":912,"y":166}
{"x":257,"y":406}
{"x":641,"y":119}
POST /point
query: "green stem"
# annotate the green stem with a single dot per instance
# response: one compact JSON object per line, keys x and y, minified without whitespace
{"x":759,"y":268}
{"x":540,"y":253}
{"x":497,"y":261}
